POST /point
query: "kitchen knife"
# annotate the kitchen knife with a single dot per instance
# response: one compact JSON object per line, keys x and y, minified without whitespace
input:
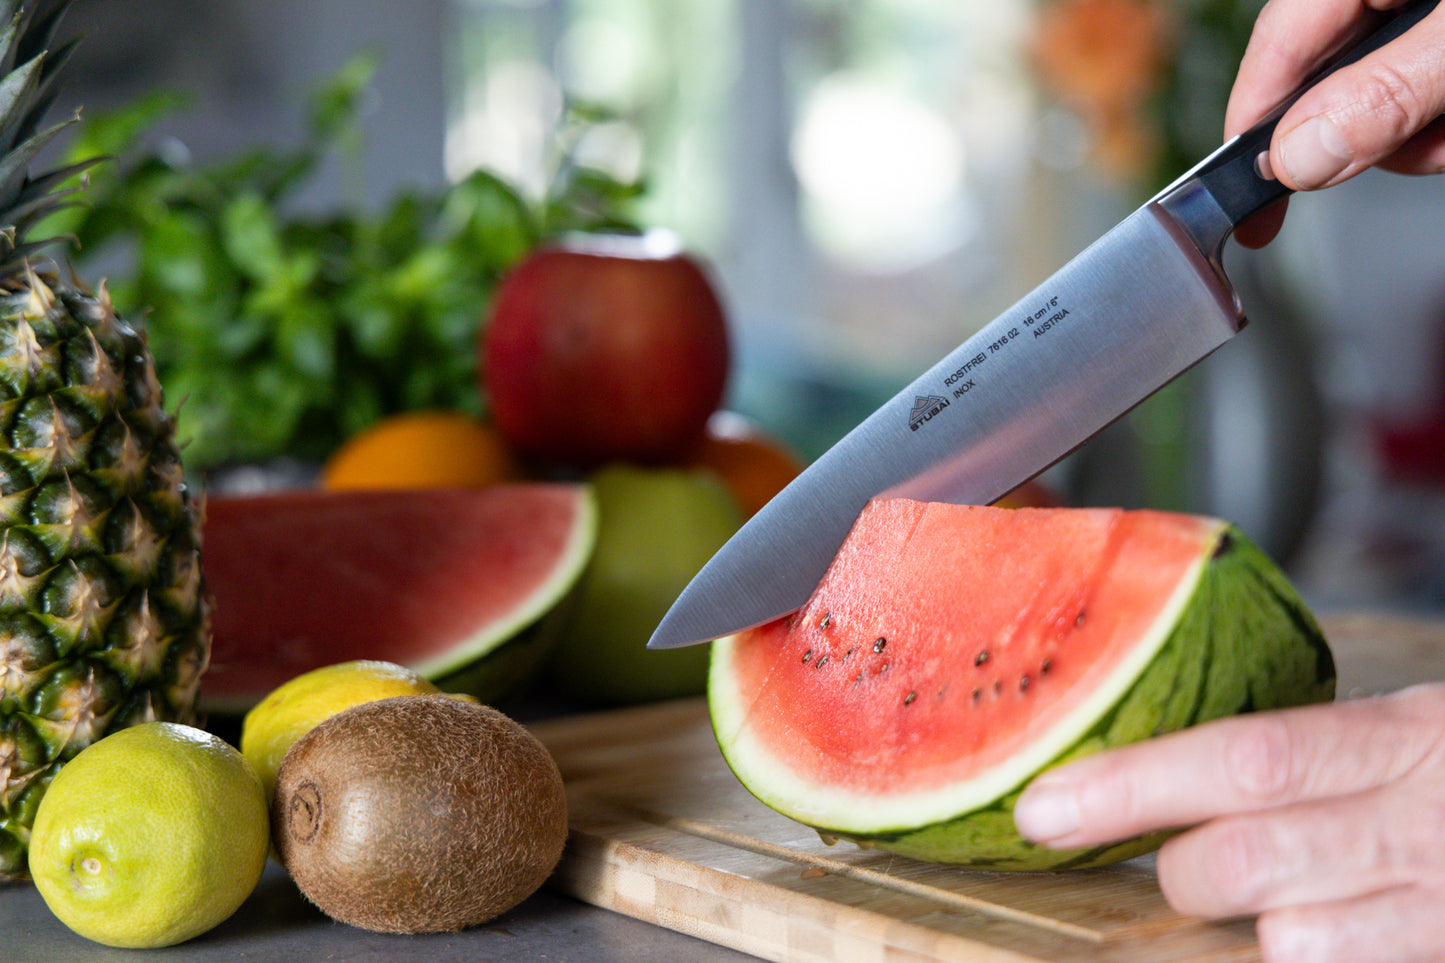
{"x":1131,"y":312}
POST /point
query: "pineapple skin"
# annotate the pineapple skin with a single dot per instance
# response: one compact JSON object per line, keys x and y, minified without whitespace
{"x":104,"y":620}
{"x":103,"y":617}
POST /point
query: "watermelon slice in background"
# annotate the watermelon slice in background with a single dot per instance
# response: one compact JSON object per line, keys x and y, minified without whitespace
{"x":951,"y":653}
{"x":448,"y":582}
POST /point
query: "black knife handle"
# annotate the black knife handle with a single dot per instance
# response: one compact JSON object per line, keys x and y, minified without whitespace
{"x":1232,"y":176}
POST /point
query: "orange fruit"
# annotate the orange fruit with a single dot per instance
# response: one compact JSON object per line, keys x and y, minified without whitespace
{"x":423,"y":449}
{"x":753,"y":465}
{"x":1031,"y":494}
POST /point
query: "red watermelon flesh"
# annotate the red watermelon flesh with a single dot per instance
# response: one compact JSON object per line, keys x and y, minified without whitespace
{"x":850,"y":690}
{"x":431,"y":579}
{"x":951,"y":652}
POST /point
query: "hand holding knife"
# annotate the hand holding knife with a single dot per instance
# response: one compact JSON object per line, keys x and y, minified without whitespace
{"x":1130,"y":313}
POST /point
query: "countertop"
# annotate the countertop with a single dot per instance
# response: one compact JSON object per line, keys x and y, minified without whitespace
{"x":276,"y":925}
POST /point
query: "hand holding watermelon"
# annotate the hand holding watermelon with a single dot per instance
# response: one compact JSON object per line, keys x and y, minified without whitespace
{"x":1324,"y":820}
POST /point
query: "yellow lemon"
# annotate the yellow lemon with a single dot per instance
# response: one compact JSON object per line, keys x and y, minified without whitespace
{"x":150,"y":837}
{"x":295,"y":708}
{"x":421,"y":449}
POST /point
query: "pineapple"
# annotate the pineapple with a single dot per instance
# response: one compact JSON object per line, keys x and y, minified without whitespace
{"x":103,"y":618}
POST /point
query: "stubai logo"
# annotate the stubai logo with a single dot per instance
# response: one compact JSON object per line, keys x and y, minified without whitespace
{"x":925,"y":408}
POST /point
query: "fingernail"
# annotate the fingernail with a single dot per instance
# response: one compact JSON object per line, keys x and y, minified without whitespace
{"x":1314,"y":153}
{"x":1046,"y":812}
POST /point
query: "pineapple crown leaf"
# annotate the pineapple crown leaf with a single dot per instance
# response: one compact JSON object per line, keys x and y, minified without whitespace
{"x":11,"y":253}
{"x":39,"y":198}
{"x":34,"y":24}
{"x":50,"y":182}
{"x":29,"y":73}
{"x":52,"y":66}
{"x":20,"y":205}
{"x":15,"y":163}
{"x":17,"y":93}
{"x":29,"y":33}
{"x":10,"y":38}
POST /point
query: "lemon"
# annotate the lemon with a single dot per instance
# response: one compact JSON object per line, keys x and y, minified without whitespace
{"x":295,"y":708}
{"x":150,"y":837}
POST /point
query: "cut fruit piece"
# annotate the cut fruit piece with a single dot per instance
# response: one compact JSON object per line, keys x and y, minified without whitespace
{"x":446,"y":582}
{"x":952,"y":652}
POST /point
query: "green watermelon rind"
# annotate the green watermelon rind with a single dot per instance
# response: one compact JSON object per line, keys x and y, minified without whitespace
{"x":512,"y":669}
{"x":1268,"y":652}
{"x":508,"y":646}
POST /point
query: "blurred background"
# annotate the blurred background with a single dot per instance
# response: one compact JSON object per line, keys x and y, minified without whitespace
{"x":871,"y":181}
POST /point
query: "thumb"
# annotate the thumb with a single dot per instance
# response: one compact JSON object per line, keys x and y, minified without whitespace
{"x":1363,"y":113}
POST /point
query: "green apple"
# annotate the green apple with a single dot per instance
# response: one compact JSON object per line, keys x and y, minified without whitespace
{"x":656,"y":528}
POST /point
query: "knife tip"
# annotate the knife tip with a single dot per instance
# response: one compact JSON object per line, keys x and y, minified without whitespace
{"x":664,"y":637}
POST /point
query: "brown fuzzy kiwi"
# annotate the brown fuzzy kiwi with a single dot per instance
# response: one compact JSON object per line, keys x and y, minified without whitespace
{"x":418,"y":814}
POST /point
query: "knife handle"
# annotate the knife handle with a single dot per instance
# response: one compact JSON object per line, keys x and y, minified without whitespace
{"x":1232,"y":174}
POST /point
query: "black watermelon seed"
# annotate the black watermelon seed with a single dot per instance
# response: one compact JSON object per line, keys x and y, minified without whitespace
{"x":879,"y":644}
{"x":981,"y":658}
{"x":908,"y":699}
{"x":808,"y":656}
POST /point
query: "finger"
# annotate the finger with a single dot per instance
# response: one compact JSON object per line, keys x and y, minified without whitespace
{"x":1396,"y":926}
{"x":1365,"y":112}
{"x":1289,"y":40}
{"x":1261,"y":228}
{"x":1232,"y":765}
{"x":1316,"y":852}
{"x":1422,"y":154}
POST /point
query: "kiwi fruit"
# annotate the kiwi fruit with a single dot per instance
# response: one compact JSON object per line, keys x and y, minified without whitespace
{"x":418,"y":814}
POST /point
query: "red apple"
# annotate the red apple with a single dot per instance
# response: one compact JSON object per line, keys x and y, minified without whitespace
{"x":605,"y":349}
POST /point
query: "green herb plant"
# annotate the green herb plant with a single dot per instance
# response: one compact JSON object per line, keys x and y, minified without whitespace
{"x":279,"y":333}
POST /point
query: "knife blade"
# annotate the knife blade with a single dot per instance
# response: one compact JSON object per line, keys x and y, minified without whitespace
{"x":1131,"y":312}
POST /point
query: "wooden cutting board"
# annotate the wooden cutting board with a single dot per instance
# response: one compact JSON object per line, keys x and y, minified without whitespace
{"x":662,"y":831}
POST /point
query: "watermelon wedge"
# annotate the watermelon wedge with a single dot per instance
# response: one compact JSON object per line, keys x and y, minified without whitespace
{"x":443,"y":581}
{"x":951,"y":653}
